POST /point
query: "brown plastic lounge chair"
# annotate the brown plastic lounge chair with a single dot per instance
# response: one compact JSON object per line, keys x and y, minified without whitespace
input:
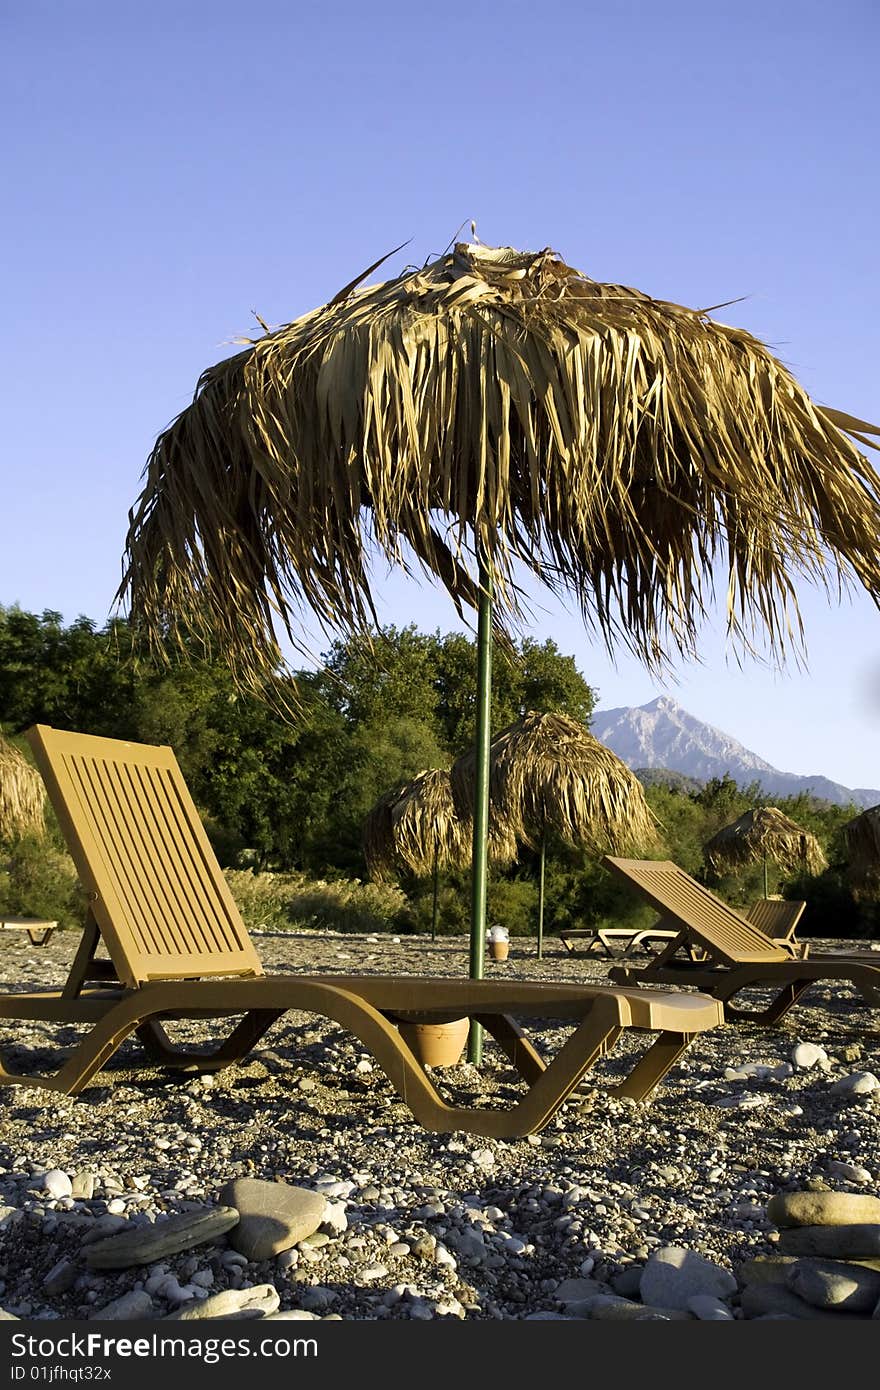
{"x":178,"y":948}
{"x":738,"y":955}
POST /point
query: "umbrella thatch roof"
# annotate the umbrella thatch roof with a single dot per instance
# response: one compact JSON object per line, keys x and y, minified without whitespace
{"x":22,"y":800}
{"x":419,"y":819}
{"x":862,"y":835}
{"x":547,"y":770}
{"x":765,"y":833}
{"x":620,"y":447}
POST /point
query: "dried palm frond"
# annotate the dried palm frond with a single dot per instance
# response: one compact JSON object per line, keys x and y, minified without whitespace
{"x":862,"y":835}
{"x":377,"y":838}
{"x":765,"y":833}
{"x":22,"y":799}
{"x":548,"y":771}
{"x":418,"y":823}
{"x":620,"y":447}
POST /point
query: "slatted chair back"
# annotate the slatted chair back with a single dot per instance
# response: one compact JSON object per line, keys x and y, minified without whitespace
{"x":687,"y":905}
{"x":156,"y":890}
{"x":776,"y":917}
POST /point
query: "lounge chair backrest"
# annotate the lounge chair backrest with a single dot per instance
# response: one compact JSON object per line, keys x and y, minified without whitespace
{"x":686,"y":904}
{"x":155,"y":887}
{"x":776,"y":917}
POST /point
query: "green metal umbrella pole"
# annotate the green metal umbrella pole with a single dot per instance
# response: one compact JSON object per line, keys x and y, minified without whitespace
{"x":479,"y":872}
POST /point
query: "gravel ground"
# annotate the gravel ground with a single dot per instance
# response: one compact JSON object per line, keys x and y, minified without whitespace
{"x":426,"y":1225}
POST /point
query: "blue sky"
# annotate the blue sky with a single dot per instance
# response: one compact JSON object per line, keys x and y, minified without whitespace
{"x":170,"y":168}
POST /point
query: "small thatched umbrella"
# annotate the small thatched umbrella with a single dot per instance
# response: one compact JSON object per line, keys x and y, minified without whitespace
{"x":548,"y":772}
{"x":417,"y":824}
{"x":862,"y":835}
{"x":761,"y":834}
{"x":22,"y":800}
{"x":497,"y":406}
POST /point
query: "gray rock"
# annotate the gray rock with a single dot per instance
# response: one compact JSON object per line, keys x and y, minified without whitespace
{"x":105,"y":1226}
{"x":835,"y":1284}
{"x":60,"y":1278}
{"x":628,"y":1282}
{"x":823,"y":1209}
{"x":610,"y":1308}
{"x":850,"y":1172}
{"x":142,"y":1245}
{"x":673,"y":1275}
{"x":136,"y":1304}
{"x":576,"y":1290}
{"x":838,"y":1242}
{"x":709,"y":1309}
{"x":83,"y":1185}
{"x":256,"y":1302}
{"x":860,"y":1083}
{"x":272,"y":1216}
{"x":772,"y":1270}
{"x":317,"y":1299}
{"x":760,"y":1299}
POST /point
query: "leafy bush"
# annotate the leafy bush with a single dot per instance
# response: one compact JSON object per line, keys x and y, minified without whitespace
{"x":38,"y":879}
{"x":286,"y":902}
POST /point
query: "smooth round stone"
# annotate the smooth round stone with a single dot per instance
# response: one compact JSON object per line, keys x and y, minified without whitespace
{"x":709,"y":1309}
{"x":56,"y":1183}
{"x":272,"y":1216}
{"x":807,"y":1055}
{"x":823,"y":1209}
{"x":859,"y":1083}
{"x":837,"y":1242}
{"x":255,"y":1302}
{"x":835,"y":1284}
{"x":673,"y":1275}
{"x":130,"y":1306}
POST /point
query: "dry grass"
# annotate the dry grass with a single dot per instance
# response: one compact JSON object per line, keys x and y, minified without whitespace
{"x":622,"y":448}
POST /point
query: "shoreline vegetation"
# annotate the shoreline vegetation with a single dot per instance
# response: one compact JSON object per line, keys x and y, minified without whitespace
{"x":284,"y":803}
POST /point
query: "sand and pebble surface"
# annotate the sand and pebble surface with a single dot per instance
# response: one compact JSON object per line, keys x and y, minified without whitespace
{"x":616,"y":1210}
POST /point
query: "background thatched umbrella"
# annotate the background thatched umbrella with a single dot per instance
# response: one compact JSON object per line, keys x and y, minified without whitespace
{"x":761,"y":834}
{"x":22,"y":800}
{"x":862,"y":835}
{"x":548,"y":772}
{"x":417,"y":824}
{"x":495,"y":407}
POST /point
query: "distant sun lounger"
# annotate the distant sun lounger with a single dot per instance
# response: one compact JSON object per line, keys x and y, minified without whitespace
{"x":737,"y":955}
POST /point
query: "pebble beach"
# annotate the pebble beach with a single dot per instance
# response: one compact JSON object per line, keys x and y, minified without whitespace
{"x":384,"y":1220}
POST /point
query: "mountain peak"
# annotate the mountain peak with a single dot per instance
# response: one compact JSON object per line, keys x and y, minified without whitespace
{"x":663,"y":735}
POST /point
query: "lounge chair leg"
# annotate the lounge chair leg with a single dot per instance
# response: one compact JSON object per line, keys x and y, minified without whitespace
{"x":514,"y":1044}
{"x":776,"y":1010}
{"x":164,"y":1053}
{"x":653,"y":1066}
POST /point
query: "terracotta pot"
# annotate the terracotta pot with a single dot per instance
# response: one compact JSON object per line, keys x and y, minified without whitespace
{"x":437,"y":1044}
{"x":498,"y":950}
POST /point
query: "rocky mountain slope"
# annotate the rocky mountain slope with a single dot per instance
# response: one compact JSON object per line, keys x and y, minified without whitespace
{"x":663,"y":735}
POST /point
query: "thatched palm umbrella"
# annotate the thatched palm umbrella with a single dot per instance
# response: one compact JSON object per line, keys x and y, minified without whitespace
{"x":761,"y":834}
{"x":417,"y":824}
{"x":22,"y":800}
{"x":862,"y":835}
{"x":489,"y":408}
{"x":548,"y":772}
